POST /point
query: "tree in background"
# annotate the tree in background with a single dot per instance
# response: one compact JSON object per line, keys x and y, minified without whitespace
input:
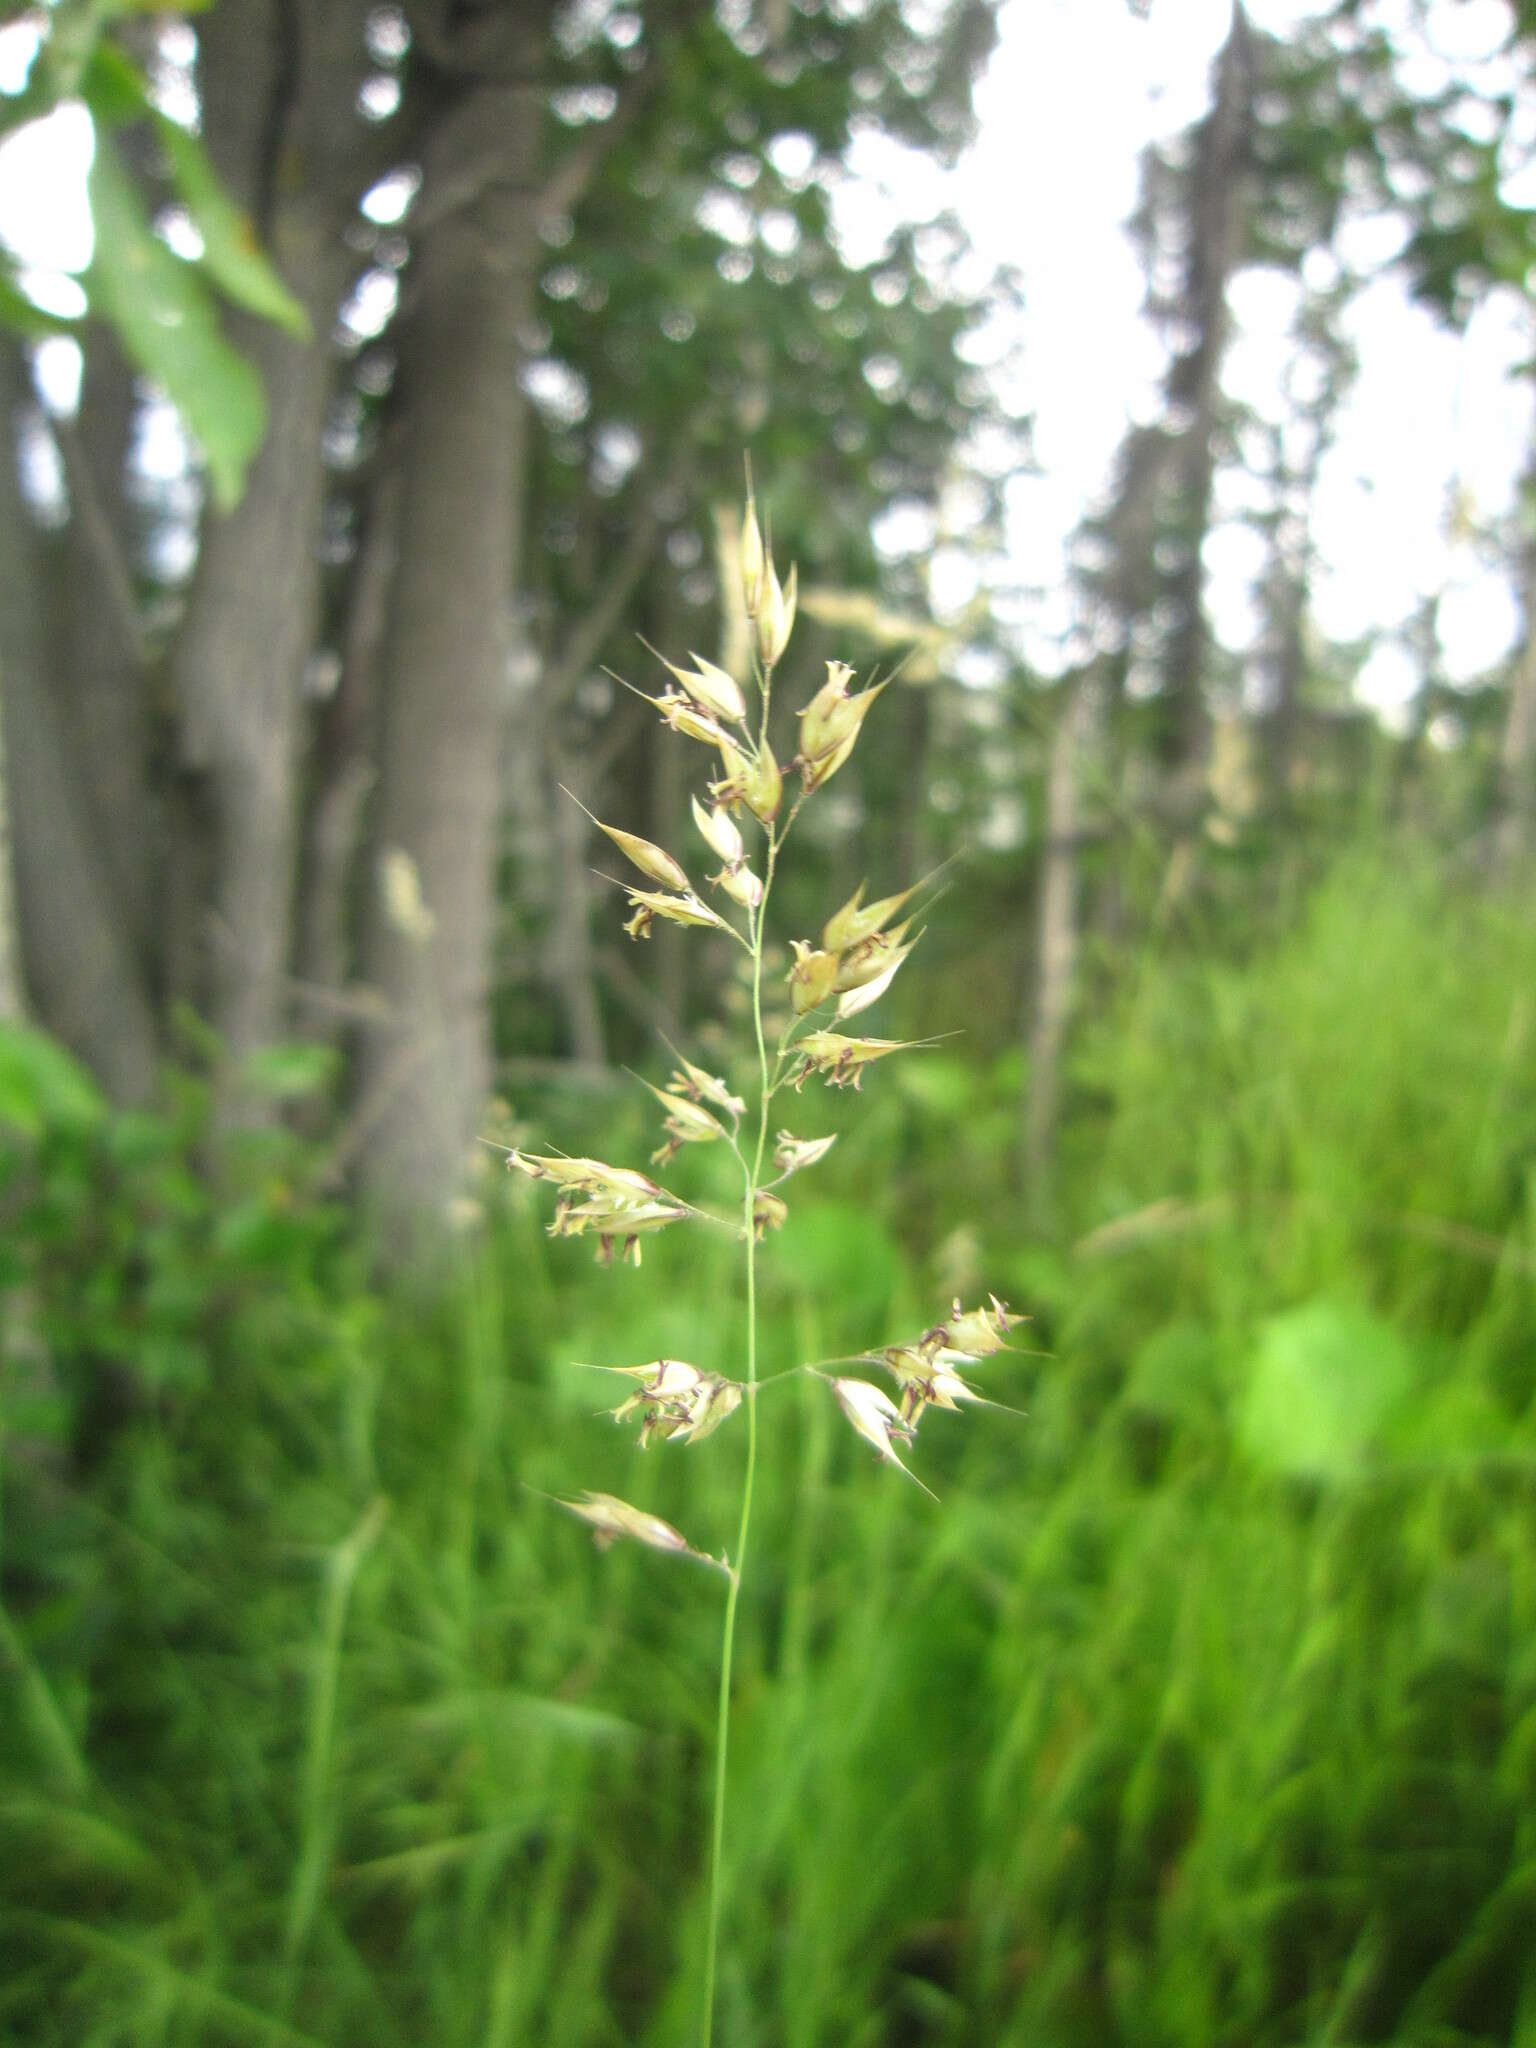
{"x":1304,"y":136}
{"x":159,"y":823}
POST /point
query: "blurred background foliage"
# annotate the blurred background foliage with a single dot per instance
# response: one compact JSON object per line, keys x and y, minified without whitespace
{"x":1203,"y":1709}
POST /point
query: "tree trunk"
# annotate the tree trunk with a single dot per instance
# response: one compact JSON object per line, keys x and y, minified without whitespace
{"x":1283,"y":715}
{"x":77,"y":965}
{"x":572,"y":968}
{"x":100,"y":665}
{"x":239,"y":668}
{"x":1056,"y":949}
{"x":426,"y":1069}
{"x":280,"y":83}
{"x":1215,"y":230}
{"x":345,"y":767}
{"x":911,"y":825}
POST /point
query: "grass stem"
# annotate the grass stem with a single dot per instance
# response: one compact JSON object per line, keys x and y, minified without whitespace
{"x":752,"y":1178}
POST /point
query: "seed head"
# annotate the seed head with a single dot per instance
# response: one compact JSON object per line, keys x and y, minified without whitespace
{"x":830,"y":723}
{"x":976,"y":1332}
{"x":754,"y":779}
{"x":687,"y":1123}
{"x":692,"y":1080}
{"x":676,"y":1401}
{"x":867,"y":959}
{"x":877,"y":1419}
{"x":751,"y":559}
{"x":775,"y":614}
{"x":711,"y":688}
{"x":610,"y":1518}
{"x":811,"y":979}
{"x":649,"y":904}
{"x":857,"y":920}
{"x":624,"y":1223}
{"x":679,"y":712}
{"x":719,"y":831}
{"x":867,"y":970}
{"x":616,"y":1203}
{"x":587,"y":1176}
{"x":717,"y":1401}
{"x":741,"y":885}
{"x":790,"y":1153}
{"x":868,"y":993}
{"x":791,"y":605}
{"x":651,"y":860}
{"x":763,"y":785}
{"x":925,"y":1382}
{"x":841,"y":1061}
{"x":768,"y":1213}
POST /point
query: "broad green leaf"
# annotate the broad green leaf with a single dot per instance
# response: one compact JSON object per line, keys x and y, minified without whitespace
{"x":287,"y":1073}
{"x":232,"y":258}
{"x":42,"y":1085}
{"x":23,"y":316}
{"x":1323,"y":1383}
{"x":167,"y":324}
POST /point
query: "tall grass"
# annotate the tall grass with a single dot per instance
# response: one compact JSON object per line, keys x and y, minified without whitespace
{"x":1204,"y":1712}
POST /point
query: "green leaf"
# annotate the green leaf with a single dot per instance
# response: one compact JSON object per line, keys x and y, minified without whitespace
{"x":41,"y":1085}
{"x":20,"y":313}
{"x":232,"y":256}
{"x":287,"y":1073}
{"x":1323,"y":1383}
{"x":167,"y":324}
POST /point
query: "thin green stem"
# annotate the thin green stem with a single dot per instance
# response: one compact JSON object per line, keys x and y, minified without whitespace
{"x":751,"y":1176}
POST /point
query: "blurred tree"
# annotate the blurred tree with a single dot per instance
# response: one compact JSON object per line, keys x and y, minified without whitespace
{"x":1433,"y":145}
{"x":1193,"y":226}
{"x":190,"y":804}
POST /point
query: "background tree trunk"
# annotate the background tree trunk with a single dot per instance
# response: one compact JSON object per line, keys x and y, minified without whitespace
{"x":1056,"y":949}
{"x":1215,"y":231}
{"x":100,"y":665}
{"x":426,"y":1068}
{"x":279,"y":85}
{"x":77,"y":964}
{"x":344,"y":764}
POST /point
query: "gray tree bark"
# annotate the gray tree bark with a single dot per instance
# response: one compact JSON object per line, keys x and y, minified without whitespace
{"x":280,"y":84}
{"x":1215,"y":229}
{"x":425,"y":1069}
{"x":572,"y":968}
{"x":77,"y":963}
{"x":1056,"y":949}
{"x":100,"y":664}
{"x":345,"y":767}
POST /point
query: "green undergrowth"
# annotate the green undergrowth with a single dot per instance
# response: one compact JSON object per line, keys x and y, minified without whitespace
{"x":1202,"y":1710}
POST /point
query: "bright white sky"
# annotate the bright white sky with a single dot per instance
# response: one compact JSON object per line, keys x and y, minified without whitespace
{"x":1075,"y":91}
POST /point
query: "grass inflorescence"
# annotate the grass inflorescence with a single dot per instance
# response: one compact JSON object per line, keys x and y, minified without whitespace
{"x":833,"y":980}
